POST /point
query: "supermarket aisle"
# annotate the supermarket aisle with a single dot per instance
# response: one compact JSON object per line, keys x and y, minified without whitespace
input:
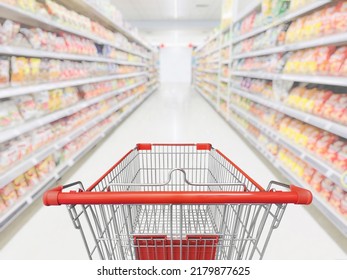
{"x":174,"y":114}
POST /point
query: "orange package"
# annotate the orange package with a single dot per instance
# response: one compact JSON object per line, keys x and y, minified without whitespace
{"x":339,"y":18}
{"x":323,"y":144}
{"x":322,"y":57}
{"x":321,"y":97}
{"x":336,"y":61}
{"x":317,"y":181}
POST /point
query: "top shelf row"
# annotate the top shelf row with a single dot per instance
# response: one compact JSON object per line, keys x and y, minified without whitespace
{"x":285,"y":17}
{"x":52,"y":24}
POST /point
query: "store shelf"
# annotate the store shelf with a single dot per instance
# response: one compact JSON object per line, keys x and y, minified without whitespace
{"x":225,"y":80}
{"x":256,"y":74}
{"x":285,"y":18}
{"x":335,"y":39}
{"x":87,"y":9}
{"x":315,"y":79}
{"x":206,"y":97}
{"x":319,"y":202}
{"x":7,"y":217}
{"x":10,"y":133}
{"x":17,"y":51}
{"x":225,"y":45}
{"x":214,"y":71}
{"x":259,"y":52}
{"x":20,"y":90}
{"x":36,"y":20}
{"x":300,"y":152}
{"x":211,"y":82}
{"x":226,"y":61}
{"x":252,"y":5}
{"x":207,"y":53}
{"x":319,"y":122}
{"x":213,"y":37}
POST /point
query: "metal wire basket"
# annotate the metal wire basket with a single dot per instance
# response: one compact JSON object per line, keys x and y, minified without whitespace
{"x":177,"y":202}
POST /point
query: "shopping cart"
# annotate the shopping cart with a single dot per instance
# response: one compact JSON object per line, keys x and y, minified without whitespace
{"x":177,"y":202}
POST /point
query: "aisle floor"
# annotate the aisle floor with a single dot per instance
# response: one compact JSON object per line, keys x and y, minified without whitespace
{"x":174,"y":114}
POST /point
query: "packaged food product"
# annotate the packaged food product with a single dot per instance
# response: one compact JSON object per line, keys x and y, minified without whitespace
{"x":322,"y":57}
{"x":336,"y":61}
{"x":35,"y":69}
{"x":22,"y":145}
{"x":45,"y":167}
{"x":4,"y":72}
{"x":339,"y":17}
{"x":343,"y":205}
{"x":27,"y":107}
{"x":31,"y":177}
{"x":8,"y":194}
{"x":8,"y":156}
{"x":337,"y":195}
{"x":9,"y":114}
{"x":20,"y":185}
{"x":20,"y":71}
{"x":327,"y":27}
{"x":327,"y":187}
{"x":308,"y":174}
{"x":316,"y":181}
{"x":340,"y":161}
{"x":323,"y":144}
{"x":41,"y":100}
{"x":55,"y":99}
{"x":335,"y":108}
{"x":333,"y":150}
{"x":3,"y":206}
{"x":321,"y":97}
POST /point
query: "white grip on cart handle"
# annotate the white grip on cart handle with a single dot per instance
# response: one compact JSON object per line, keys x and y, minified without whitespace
{"x":295,"y":195}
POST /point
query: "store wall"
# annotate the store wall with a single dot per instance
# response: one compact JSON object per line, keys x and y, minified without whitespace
{"x":175,"y":65}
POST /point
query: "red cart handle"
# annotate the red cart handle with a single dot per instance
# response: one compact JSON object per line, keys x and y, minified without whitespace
{"x":296,"y":195}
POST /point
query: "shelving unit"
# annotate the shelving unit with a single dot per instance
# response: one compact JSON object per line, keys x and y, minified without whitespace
{"x":318,"y":201}
{"x":300,"y":152}
{"x":20,"y":206}
{"x":145,"y":84}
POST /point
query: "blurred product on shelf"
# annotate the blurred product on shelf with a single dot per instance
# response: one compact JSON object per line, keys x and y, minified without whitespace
{"x":63,"y":42}
{"x":327,"y":102}
{"x":326,"y":21}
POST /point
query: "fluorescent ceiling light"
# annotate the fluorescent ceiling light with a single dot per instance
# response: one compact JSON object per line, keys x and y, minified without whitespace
{"x":176,"y":9}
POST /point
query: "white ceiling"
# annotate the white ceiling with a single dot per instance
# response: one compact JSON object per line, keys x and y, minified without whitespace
{"x":172,"y":22}
{"x":166,"y":9}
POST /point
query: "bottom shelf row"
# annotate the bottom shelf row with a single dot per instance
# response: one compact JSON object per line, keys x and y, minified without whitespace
{"x":330,"y":198}
{"x":27,"y":187}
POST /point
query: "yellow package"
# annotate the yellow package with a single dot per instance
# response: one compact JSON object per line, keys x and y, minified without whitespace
{"x":35,"y":64}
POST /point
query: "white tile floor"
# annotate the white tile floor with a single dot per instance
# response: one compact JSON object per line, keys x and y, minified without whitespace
{"x":173,"y":114}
